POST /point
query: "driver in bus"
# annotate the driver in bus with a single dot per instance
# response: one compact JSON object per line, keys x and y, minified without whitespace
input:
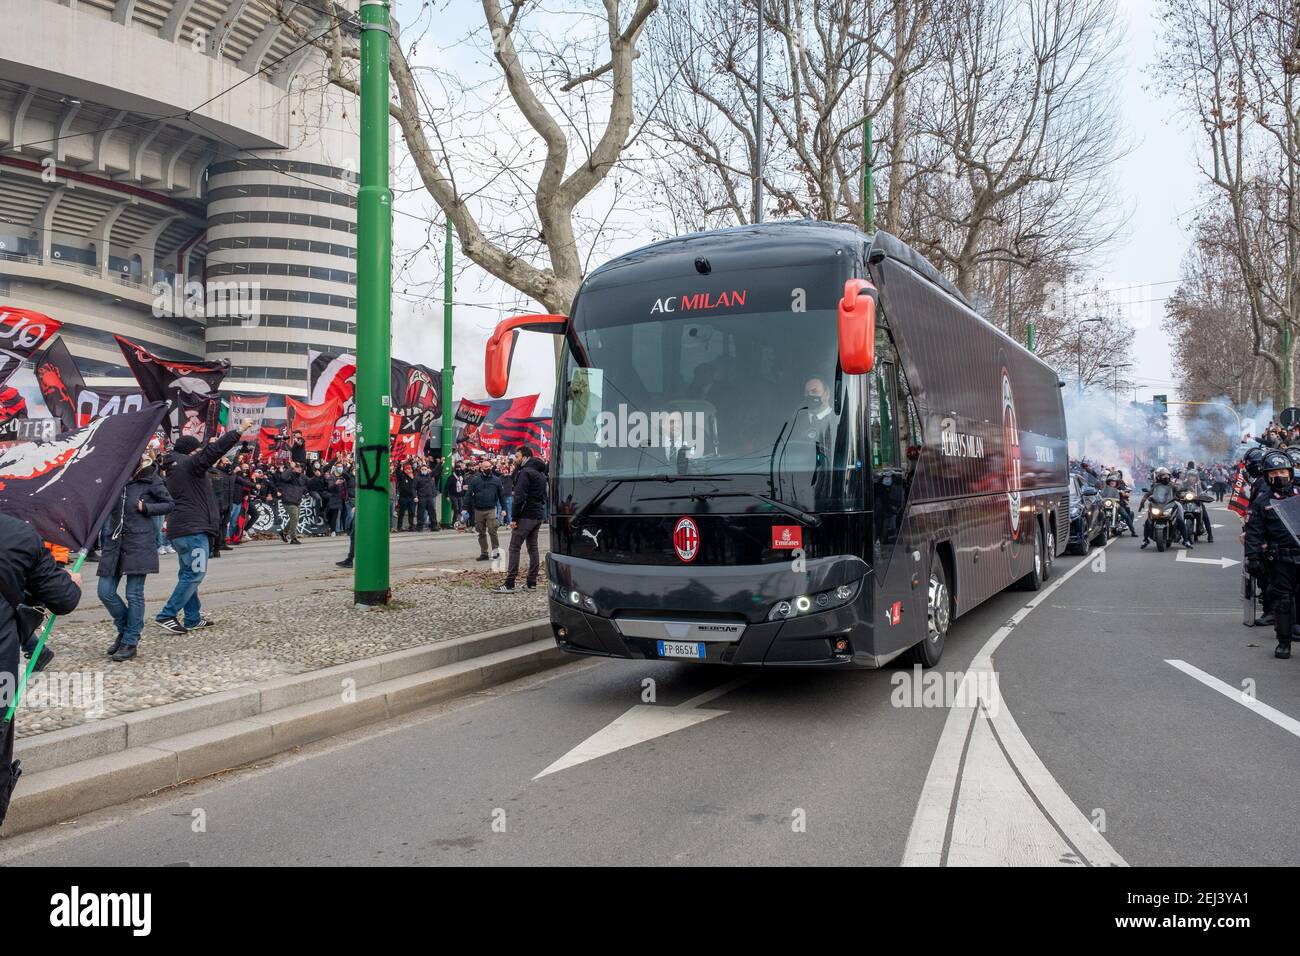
{"x":675,"y":445}
{"x":817,"y":398}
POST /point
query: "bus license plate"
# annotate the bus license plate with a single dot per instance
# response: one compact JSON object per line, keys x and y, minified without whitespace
{"x":681,"y":649}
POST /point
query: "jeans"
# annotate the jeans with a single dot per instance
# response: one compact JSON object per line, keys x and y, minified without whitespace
{"x":159,"y":540}
{"x":192,"y":555}
{"x":526,"y":533}
{"x":232,"y":526}
{"x":406,"y":509}
{"x":426,"y":513}
{"x":129,"y":616}
{"x":510,"y":508}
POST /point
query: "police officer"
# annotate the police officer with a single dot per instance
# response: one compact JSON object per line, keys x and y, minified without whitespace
{"x":29,"y":573}
{"x":1271,"y":549}
{"x":1253,"y":460}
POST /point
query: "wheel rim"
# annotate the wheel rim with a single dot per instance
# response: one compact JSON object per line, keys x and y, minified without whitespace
{"x":1038,"y":562}
{"x":938,"y":610}
{"x":1051,"y":549}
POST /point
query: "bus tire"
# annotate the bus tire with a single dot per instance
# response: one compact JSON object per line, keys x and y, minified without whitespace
{"x":938,"y":617}
{"x":1049,"y":549}
{"x":1033,"y":581}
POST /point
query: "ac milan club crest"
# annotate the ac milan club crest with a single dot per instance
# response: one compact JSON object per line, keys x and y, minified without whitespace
{"x":686,"y":539}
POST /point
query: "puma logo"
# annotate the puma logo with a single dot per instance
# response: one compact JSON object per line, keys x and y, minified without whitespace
{"x":593,"y":535}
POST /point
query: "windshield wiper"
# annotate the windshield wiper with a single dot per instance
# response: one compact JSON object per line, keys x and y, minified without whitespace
{"x":798,"y":514}
{"x":608,"y":488}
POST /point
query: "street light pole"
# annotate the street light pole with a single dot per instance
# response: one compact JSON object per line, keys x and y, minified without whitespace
{"x":374,"y":312}
{"x":758,"y":124}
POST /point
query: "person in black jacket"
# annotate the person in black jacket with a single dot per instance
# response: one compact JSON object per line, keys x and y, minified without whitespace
{"x":194,"y":526}
{"x":290,"y":486}
{"x":454,"y":489}
{"x":404,"y":479}
{"x":127,"y":551}
{"x":27,"y":571}
{"x":529,"y":513}
{"x":1271,"y":551}
{"x":485,"y":494}
{"x":426,"y":499}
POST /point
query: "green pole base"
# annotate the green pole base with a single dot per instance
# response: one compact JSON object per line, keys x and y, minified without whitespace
{"x":373,"y":598}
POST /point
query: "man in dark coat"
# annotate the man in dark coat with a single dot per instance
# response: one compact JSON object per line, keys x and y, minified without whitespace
{"x":426,"y":499}
{"x":529,"y":513}
{"x":405,"y":485}
{"x":28,"y":571}
{"x":127,"y":551}
{"x":485,"y":495}
{"x":194,"y":526}
{"x":290,"y":486}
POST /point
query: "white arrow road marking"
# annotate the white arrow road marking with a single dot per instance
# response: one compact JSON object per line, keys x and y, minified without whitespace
{"x":988,"y":799}
{"x":1287,"y":723}
{"x":642,"y":723}
{"x":1221,"y":562}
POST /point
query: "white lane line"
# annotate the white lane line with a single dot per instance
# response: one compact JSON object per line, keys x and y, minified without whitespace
{"x":944,"y":828}
{"x":1286,"y":722}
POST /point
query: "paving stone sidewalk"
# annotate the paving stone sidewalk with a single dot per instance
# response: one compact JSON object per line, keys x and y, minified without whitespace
{"x":257,"y":642}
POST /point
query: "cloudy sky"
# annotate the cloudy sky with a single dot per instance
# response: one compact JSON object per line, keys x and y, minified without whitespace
{"x":1157,"y":190}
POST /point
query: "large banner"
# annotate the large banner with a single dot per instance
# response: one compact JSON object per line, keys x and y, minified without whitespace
{"x":103,"y":401}
{"x":248,"y":408}
{"x":414,"y":390}
{"x":316,"y":422}
{"x":65,"y":488}
{"x":191,"y":385}
{"x":22,"y":332}
{"x":60,"y":380}
{"x":500,"y":430}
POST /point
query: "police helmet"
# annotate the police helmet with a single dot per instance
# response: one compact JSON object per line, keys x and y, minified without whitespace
{"x":1253,"y":459}
{"x":1276,"y":461}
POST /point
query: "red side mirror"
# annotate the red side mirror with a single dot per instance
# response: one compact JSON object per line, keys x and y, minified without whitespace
{"x":501,"y":346}
{"x":858,"y":327}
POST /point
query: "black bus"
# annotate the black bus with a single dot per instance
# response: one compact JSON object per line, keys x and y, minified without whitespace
{"x":791,"y":443}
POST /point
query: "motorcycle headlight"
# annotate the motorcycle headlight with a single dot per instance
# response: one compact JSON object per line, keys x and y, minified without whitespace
{"x":1187,"y":497}
{"x":1156,"y":512}
{"x":1075,"y":511}
{"x":814,"y":603}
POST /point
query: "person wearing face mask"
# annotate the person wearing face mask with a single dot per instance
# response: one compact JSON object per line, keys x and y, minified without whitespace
{"x":1163,"y":493}
{"x":813,"y":420}
{"x":426,"y":499}
{"x":1271,"y":550}
{"x":127,"y":551}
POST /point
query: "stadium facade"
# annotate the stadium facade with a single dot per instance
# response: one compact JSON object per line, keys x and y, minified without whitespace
{"x":178,"y":172}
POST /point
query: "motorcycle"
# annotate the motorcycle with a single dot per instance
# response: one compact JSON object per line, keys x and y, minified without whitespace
{"x":1111,"y":518}
{"x":1195,"y":516}
{"x":1161,"y":510}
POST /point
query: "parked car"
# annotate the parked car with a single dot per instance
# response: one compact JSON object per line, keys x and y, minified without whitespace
{"x":1087,"y":520}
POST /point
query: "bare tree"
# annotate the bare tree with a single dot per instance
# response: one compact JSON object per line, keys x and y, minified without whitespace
{"x":1236,"y":65}
{"x":511,"y":158}
{"x":1208,"y":320}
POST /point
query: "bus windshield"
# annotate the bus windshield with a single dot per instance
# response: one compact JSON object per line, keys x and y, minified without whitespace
{"x":735,"y":380}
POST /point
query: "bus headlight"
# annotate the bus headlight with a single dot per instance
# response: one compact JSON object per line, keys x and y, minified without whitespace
{"x":814,"y":603}
{"x":575,"y":598}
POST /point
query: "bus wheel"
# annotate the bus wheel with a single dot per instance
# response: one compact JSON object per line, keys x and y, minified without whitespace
{"x":938,"y":615}
{"x":1049,"y":555}
{"x":1038,"y":571}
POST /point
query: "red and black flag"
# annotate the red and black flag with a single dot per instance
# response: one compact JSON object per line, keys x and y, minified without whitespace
{"x":65,"y":488}
{"x":416,"y":390}
{"x":22,"y":332}
{"x":191,"y":385}
{"x":12,"y":405}
{"x":60,"y":380}
{"x":1239,"y":500}
{"x":534,"y":432}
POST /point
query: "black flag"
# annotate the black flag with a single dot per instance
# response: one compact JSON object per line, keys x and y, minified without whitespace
{"x":191,"y":385}
{"x":65,"y":488}
{"x":60,"y":380}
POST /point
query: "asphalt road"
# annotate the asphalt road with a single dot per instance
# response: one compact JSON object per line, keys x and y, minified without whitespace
{"x":1081,"y":744}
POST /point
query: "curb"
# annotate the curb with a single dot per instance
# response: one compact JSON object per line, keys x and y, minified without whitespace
{"x":74,"y":771}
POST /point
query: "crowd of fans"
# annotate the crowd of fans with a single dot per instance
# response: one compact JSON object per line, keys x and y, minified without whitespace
{"x":199,"y":499}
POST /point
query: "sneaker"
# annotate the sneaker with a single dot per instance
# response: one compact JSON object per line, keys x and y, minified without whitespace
{"x":1283,"y":651}
{"x":295,"y":541}
{"x":1145,"y":542}
{"x":484,"y":557}
{"x":203,"y":622}
{"x":112,"y":648}
{"x":532,"y":587}
{"x":162,"y":550}
{"x":124,"y":653}
{"x":171,"y":625}
{"x":284,"y":537}
{"x":505,"y":589}
{"x":343,"y":564}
